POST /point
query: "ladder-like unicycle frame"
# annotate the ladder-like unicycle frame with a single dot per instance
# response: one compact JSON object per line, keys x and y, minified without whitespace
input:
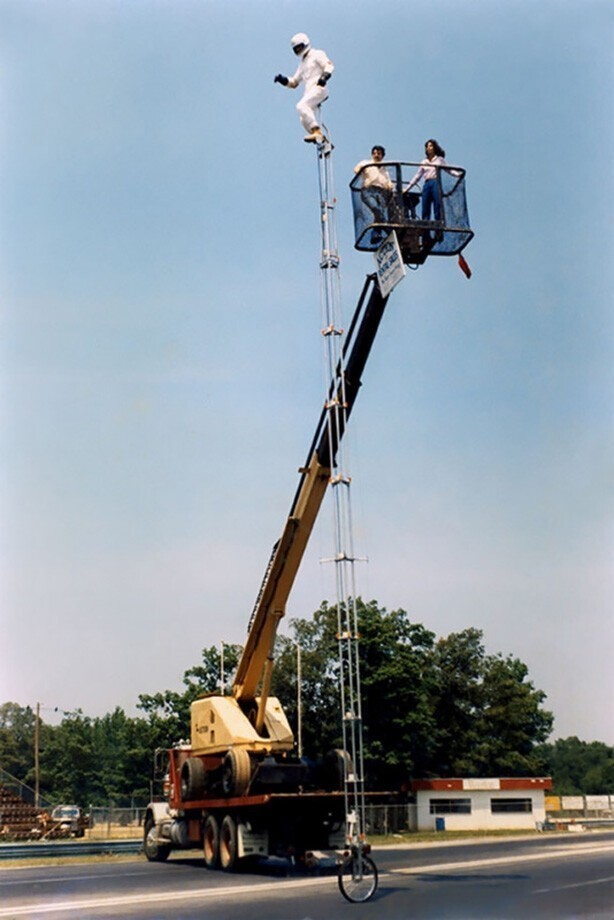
{"x":357,"y":874}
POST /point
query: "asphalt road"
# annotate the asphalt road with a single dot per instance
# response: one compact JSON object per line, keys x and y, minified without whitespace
{"x":542,"y":877}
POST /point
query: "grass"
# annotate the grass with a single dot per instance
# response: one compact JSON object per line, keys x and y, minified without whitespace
{"x":104,"y":831}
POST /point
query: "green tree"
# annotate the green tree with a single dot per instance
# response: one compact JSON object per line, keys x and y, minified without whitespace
{"x":511,"y":721}
{"x":97,"y":761}
{"x":459,"y":665}
{"x":489,"y":715}
{"x":124,"y":756}
{"x":69,"y":767}
{"x":579,"y":767}
{"x":17,"y":741}
{"x":398,"y":683}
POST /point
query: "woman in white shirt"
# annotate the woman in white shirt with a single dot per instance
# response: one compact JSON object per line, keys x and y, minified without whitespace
{"x":435,"y":156}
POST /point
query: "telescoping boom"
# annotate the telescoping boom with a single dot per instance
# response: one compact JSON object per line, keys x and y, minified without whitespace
{"x":255,"y":666}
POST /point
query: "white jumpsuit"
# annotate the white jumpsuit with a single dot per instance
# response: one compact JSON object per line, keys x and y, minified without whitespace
{"x":313,"y":64}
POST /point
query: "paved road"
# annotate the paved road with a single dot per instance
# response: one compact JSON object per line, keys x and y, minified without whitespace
{"x":543,"y":877}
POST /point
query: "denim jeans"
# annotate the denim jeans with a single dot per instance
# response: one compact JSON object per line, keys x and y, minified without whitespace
{"x":376,"y":199}
{"x":430,"y":197}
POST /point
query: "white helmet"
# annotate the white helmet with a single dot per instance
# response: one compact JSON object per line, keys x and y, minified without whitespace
{"x":300,"y":39}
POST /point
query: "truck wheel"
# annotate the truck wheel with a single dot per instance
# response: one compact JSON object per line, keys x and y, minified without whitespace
{"x":154,"y":851}
{"x":211,"y":842}
{"x":192,"y":779}
{"x":237,"y":772}
{"x":228,"y":844}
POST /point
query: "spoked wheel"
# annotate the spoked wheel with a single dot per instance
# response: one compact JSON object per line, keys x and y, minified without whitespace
{"x":357,"y":878}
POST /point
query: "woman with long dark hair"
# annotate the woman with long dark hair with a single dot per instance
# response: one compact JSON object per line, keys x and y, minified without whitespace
{"x":435,"y":157}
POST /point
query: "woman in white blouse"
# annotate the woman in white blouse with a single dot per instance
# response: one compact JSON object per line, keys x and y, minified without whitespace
{"x":435,"y":157}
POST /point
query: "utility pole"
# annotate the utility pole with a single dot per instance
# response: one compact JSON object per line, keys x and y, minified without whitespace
{"x":299,"y":699}
{"x":36,"y":755}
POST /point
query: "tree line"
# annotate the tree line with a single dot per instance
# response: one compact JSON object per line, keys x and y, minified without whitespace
{"x":431,"y":707}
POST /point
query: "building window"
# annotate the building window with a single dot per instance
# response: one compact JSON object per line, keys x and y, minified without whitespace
{"x":498,"y":806}
{"x":450,"y":806}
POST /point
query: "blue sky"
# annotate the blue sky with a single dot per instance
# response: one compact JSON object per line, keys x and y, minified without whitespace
{"x":161,"y":360}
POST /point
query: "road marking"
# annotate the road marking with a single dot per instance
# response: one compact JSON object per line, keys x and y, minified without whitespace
{"x":595,"y":881}
{"x":250,"y":890}
{"x":505,"y":860}
{"x":65,"y":878}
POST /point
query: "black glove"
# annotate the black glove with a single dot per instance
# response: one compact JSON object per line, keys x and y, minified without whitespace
{"x":281,"y":79}
{"x":324,"y":79}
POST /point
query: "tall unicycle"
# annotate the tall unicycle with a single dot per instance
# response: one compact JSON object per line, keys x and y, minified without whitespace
{"x":357,"y":873}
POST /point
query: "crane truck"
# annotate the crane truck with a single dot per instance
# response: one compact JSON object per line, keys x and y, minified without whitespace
{"x":238,"y":790}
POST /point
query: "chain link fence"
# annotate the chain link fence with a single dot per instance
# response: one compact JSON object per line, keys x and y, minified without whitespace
{"x":109,"y":823}
{"x":391,"y":819}
{"x":124,"y":823}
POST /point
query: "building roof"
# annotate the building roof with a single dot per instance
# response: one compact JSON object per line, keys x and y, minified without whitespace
{"x":513,"y":783}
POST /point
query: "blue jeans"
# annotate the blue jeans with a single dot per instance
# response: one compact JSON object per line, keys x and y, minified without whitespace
{"x":430,"y":197}
{"x":377,"y":199}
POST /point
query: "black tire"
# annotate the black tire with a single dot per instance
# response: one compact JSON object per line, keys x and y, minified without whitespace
{"x":357,"y":878}
{"x":192,"y":779}
{"x":229,"y":857}
{"x":237,"y":772}
{"x":211,"y":842}
{"x":154,"y":851}
{"x":337,"y":765}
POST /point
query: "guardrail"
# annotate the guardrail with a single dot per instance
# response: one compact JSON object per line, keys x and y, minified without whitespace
{"x":37,"y":850}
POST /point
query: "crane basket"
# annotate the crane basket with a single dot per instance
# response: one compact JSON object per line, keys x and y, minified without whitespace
{"x":439,"y":227}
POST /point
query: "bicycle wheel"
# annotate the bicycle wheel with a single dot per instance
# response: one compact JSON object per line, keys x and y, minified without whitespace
{"x":357,"y":878}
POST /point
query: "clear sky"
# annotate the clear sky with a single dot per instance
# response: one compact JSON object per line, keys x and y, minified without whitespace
{"x":161,"y":363}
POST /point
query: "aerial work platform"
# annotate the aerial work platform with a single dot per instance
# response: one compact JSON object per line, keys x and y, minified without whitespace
{"x":439,"y":227}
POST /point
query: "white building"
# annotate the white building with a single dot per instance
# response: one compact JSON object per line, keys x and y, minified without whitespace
{"x":481,"y":804}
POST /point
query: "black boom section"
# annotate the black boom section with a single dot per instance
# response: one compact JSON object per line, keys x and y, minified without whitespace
{"x":359,"y":339}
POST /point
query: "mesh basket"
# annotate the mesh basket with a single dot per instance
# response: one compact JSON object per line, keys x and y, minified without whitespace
{"x":429,"y":219}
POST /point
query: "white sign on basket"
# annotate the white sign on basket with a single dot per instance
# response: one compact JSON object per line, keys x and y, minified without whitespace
{"x":389,"y":264}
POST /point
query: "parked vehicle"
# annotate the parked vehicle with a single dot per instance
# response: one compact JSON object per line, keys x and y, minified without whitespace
{"x":67,"y":821}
